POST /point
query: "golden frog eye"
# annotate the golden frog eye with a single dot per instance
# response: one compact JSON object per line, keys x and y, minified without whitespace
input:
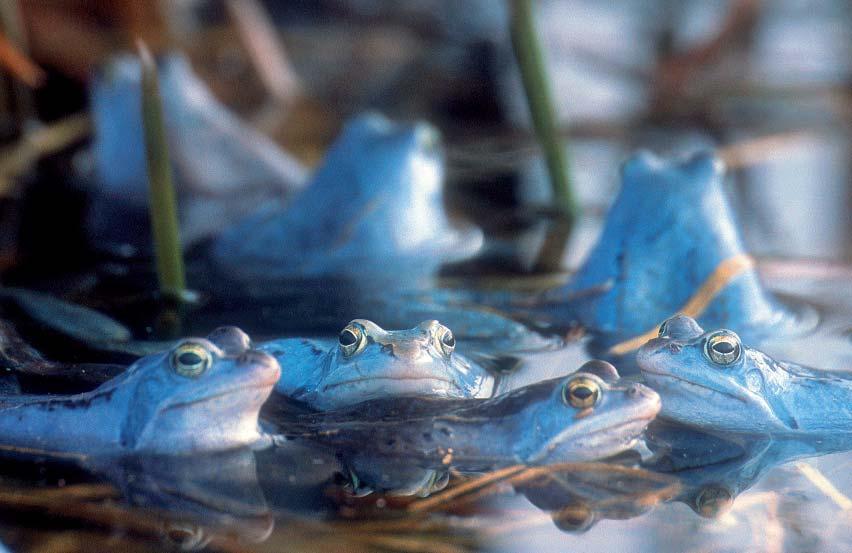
{"x":351,"y":340}
{"x":723,"y":347}
{"x":581,"y":393}
{"x":191,"y":359}
{"x":446,"y":340}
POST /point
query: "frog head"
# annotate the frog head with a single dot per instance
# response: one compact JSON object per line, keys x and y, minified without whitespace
{"x":713,"y":381}
{"x":586,"y":416}
{"x":203,"y":394}
{"x":370,"y":362}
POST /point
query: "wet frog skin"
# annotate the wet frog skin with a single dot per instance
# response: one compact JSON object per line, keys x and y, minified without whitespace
{"x":712,"y":381}
{"x":587,"y":416}
{"x":368,"y":362}
{"x":670,"y":244}
{"x":201,"y":395}
{"x":376,"y":202}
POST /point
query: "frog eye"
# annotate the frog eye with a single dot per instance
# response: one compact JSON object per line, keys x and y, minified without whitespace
{"x":351,"y":340}
{"x":191,"y":359}
{"x":446,"y":340}
{"x":723,"y":347}
{"x":664,"y":329}
{"x":581,"y":393}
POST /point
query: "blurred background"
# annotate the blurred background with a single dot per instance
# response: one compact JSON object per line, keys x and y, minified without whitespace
{"x":766,"y":83}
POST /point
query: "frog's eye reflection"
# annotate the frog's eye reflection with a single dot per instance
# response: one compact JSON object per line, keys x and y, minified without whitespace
{"x":446,"y":340}
{"x":723,"y":347}
{"x":581,"y":393}
{"x":664,"y":329}
{"x":713,"y":501}
{"x":351,"y":340}
{"x":190,"y":359}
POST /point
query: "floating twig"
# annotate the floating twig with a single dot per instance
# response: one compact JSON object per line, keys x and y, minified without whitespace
{"x":824,"y":485}
{"x":471,"y":485}
{"x":19,"y":65}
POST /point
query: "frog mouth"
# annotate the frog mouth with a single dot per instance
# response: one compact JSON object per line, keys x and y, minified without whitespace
{"x":265,"y":385}
{"x":430,"y":378}
{"x":687,"y":384}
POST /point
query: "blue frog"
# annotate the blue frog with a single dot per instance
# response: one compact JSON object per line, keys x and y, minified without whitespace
{"x":713,"y":381}
{"x":223,"y":168}
{"x":376,"y":203}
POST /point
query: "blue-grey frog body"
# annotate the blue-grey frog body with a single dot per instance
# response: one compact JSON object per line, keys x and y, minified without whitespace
{"x":669,"y":245}
{"x":223,"y":168}
{"x":373,"y":211}
{"x":201,"y":395}
{"x":368,"y":362}
{"x":713,"y":381}
{"x":589,"y":415}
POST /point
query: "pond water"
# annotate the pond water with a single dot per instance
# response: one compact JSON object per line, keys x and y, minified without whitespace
{"x":677,"y":490}
{"x":681,"y":492}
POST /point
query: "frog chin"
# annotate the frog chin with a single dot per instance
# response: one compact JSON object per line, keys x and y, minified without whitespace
{"x":221,"y":418}
{"x":341,"y":393}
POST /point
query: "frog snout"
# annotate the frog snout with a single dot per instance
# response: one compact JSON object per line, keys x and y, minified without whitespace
{"x":230,"y":339}
{"x":259,"y":359}
{"x":405,"y":350}
{"x":640,"y":391}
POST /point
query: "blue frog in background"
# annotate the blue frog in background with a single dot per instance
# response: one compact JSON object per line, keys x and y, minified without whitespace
{"x":222,"y":167}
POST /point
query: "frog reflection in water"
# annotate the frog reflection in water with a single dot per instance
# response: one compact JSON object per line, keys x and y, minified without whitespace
{"x":375,"y":203}
{"x":713,"y":470}
{"x":587,"y":416}
{"x":202,"y":395}
{"x":711,"y":380}
{"x":369,"y":362}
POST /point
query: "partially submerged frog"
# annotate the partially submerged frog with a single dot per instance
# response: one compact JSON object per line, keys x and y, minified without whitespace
{"x":375,"y":203}
{"x":713,"y":381}
{"x":201,"y":395}
{"x":368,"y":362}
{"x":587,"y":416}
{"x":223,"y":167}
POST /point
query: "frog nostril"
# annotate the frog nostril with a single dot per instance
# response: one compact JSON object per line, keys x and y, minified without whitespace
{"x":674,"y":348}
{"x":230,"y":340}
{"x":254,"y":357}
{"x":633,"y":390}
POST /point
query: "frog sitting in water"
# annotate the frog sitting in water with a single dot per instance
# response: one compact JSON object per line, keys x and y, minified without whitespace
{"x":589,"y":415}
{"x":368,"y":362}
{"x":375,"y":203}
{"x":670,"y":245}
{"x":711,"y":380}
{"x":201,"y":395}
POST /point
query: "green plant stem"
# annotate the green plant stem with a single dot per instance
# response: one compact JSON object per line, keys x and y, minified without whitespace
{"x":537,"y":88}
{"x":161,"y":192}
